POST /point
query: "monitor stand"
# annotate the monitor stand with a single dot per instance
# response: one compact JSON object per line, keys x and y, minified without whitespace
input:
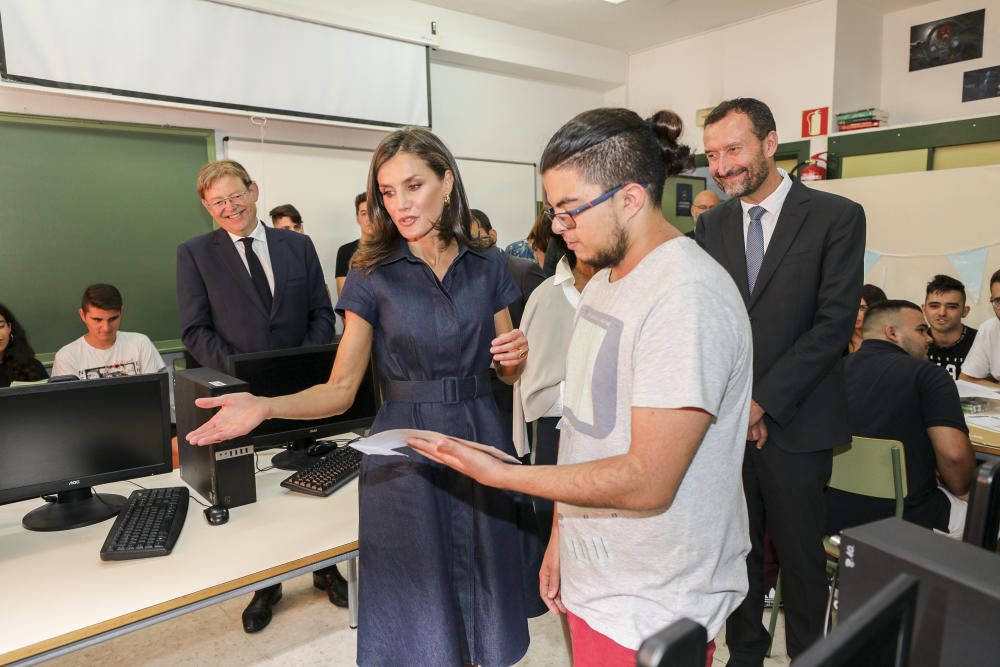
{"x":74,"y":509}
{"x":295,"y":457}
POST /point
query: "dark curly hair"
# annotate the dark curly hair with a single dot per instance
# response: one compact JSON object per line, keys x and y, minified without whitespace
{"x":18,"y":359}
{"x":613,"y":146}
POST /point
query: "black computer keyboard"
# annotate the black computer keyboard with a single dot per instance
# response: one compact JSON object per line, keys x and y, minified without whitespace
{"x":328,"y":474}
{"x":148,"y":525}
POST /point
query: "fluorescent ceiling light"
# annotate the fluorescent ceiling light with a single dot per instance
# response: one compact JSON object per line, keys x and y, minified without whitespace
{"x":614,"y":2}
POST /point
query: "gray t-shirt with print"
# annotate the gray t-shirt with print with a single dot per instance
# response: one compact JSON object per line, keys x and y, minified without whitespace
{"x":673,"y":333}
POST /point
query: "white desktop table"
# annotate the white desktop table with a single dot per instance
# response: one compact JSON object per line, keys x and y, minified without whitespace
{"x":59,"y":596}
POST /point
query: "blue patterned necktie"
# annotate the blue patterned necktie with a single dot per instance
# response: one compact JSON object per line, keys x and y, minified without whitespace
{"x":755,"y":245}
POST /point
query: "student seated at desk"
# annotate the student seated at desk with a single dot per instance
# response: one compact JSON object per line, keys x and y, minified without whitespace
{"x":104,"y":351}
{"x":893,"y":392}
{"x":17,"y":359}
{"x":982,"y":365}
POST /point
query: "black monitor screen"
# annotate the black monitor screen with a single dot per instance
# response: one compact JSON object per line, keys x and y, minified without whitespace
{"x":281,"y":372}
{"x":58,"y":437}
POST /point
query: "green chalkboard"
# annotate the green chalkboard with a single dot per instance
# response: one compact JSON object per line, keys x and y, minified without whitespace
{"x":83,"y":202}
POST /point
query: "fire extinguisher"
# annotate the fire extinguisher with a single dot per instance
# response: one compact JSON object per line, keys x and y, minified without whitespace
{"x":813,"y":171}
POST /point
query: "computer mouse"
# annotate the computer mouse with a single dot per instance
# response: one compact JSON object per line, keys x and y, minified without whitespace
{"x":216,"y":515}
{"x":320,"y":448}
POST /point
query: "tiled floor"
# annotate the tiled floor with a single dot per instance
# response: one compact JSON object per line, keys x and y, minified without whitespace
{"x":306,"y":630}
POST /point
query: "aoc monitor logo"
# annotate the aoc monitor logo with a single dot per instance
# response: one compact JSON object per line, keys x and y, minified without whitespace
{"x":75,"y":481}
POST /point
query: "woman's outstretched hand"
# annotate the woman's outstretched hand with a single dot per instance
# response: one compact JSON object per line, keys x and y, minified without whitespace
{"x":240,"y":414}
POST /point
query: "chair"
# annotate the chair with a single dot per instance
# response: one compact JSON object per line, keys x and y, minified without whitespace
{"x":869,"y":467}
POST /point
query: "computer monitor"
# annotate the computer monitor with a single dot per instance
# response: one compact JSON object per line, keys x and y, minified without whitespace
{"x":982,"y":518}
{"x":958,"y":603}
{"x":683,"y":643}
{"x":877,"y":634}
{"x":280,"y":372}
{"x":68,"y":437}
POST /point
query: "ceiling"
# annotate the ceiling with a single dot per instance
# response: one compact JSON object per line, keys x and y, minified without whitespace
{"x":634,"y":25}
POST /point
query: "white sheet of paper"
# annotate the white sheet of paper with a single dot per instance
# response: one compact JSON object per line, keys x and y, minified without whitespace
{"x":382,"y":444}
{"x":973,"y":390}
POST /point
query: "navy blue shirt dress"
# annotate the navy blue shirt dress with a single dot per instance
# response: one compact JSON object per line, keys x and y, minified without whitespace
{"x":441,"y":565}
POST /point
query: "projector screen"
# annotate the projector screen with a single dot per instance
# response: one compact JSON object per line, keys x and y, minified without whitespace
{"x":205,"y":53}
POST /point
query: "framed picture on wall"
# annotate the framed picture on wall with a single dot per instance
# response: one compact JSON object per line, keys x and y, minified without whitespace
{"x":947,"y":41}
{"x":981,"y":84}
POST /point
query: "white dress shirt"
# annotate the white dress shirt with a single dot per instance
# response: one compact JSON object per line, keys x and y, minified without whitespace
{"x":772,"y":207}
{"x":260,"y":249}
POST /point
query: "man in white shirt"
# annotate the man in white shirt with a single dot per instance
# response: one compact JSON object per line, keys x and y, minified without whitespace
{"x":104,"y":351}
{"x":982,"y":365}
{"x":651,"y":525}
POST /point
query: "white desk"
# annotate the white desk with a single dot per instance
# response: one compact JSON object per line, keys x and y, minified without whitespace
{"x":59,"y":596}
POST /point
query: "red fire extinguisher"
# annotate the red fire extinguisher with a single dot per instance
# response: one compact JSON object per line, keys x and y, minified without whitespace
{"x":813,"y":171}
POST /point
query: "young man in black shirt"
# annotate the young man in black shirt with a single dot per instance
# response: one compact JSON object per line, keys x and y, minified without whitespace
{"x":944,"y":307}
{"x":893,"y":392}
{"x":346,"y":251}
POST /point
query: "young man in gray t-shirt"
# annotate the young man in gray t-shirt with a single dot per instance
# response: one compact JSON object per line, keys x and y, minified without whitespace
{"x":651,"y":523}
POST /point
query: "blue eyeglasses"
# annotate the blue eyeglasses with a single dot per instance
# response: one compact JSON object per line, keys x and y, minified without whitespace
{"x":567,"y":218}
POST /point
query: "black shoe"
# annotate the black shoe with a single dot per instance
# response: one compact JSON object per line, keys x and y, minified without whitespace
{"x":257,"y":615}
{"x":330,"y":580}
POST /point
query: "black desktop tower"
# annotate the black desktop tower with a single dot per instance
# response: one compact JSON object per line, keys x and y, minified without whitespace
{"x":222,"y":473}
{"x":958,"y":603}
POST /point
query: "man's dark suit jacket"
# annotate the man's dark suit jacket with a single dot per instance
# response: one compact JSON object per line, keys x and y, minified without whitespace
{"x":527,"y":276}
{"x":802,"y":311}
{"x":221,"y":312}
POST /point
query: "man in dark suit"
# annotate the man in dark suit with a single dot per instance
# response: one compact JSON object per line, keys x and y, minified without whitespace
{"x":796,"y":256}
{"x":248,"y":288}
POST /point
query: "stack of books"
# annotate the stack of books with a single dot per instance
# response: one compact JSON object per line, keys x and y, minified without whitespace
{"x":862,"y":119}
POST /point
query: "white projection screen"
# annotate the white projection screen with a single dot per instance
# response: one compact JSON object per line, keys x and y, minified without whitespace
{"x":322,"y":181}
{"x":206,"y":53}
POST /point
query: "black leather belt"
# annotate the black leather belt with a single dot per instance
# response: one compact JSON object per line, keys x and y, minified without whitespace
{"x":448,"y":390}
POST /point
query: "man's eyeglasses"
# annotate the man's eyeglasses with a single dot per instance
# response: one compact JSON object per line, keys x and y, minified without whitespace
{"x":995,"y":302}
{"x":568,"y":218}
{"x":238,"y":198}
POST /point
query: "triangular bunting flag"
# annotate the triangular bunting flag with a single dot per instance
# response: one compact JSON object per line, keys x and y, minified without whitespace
{"x":970,"y":266}
{"x":870,"y":258}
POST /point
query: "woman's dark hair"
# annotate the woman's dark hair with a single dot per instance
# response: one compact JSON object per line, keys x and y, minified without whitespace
{"x":455,"y":218}
{"x":540,"y":233}
{"x":872,"y":295}
{"x":609,"y":147}
{"x":18,"y":357}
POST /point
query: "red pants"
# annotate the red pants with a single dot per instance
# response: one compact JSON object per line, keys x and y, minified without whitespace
{"x":592,"y":649}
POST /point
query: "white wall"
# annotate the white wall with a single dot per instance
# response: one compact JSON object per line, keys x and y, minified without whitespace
{"x":936,"y":93}
{"x":785,"y":59}
{"x":482,"y":42}
{"x":857,"y":76}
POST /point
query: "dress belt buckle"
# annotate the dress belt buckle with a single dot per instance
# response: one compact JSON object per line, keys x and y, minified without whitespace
{"x":450,"y":390}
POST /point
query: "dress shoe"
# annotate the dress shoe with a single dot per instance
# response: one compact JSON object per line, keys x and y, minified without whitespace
{"x":257,"y":615}
{"x":330,"y":580}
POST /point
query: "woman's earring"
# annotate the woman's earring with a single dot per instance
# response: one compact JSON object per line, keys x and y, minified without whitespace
{"x":447,"y":198}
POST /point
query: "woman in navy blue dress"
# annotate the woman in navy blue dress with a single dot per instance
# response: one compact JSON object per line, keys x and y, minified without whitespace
{"x":441,"y":568}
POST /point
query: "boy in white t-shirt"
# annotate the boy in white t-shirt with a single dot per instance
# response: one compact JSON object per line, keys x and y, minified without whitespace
{"x":651,"y":524}
{"x":982,"y":364}
{"x":104,"y":351}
